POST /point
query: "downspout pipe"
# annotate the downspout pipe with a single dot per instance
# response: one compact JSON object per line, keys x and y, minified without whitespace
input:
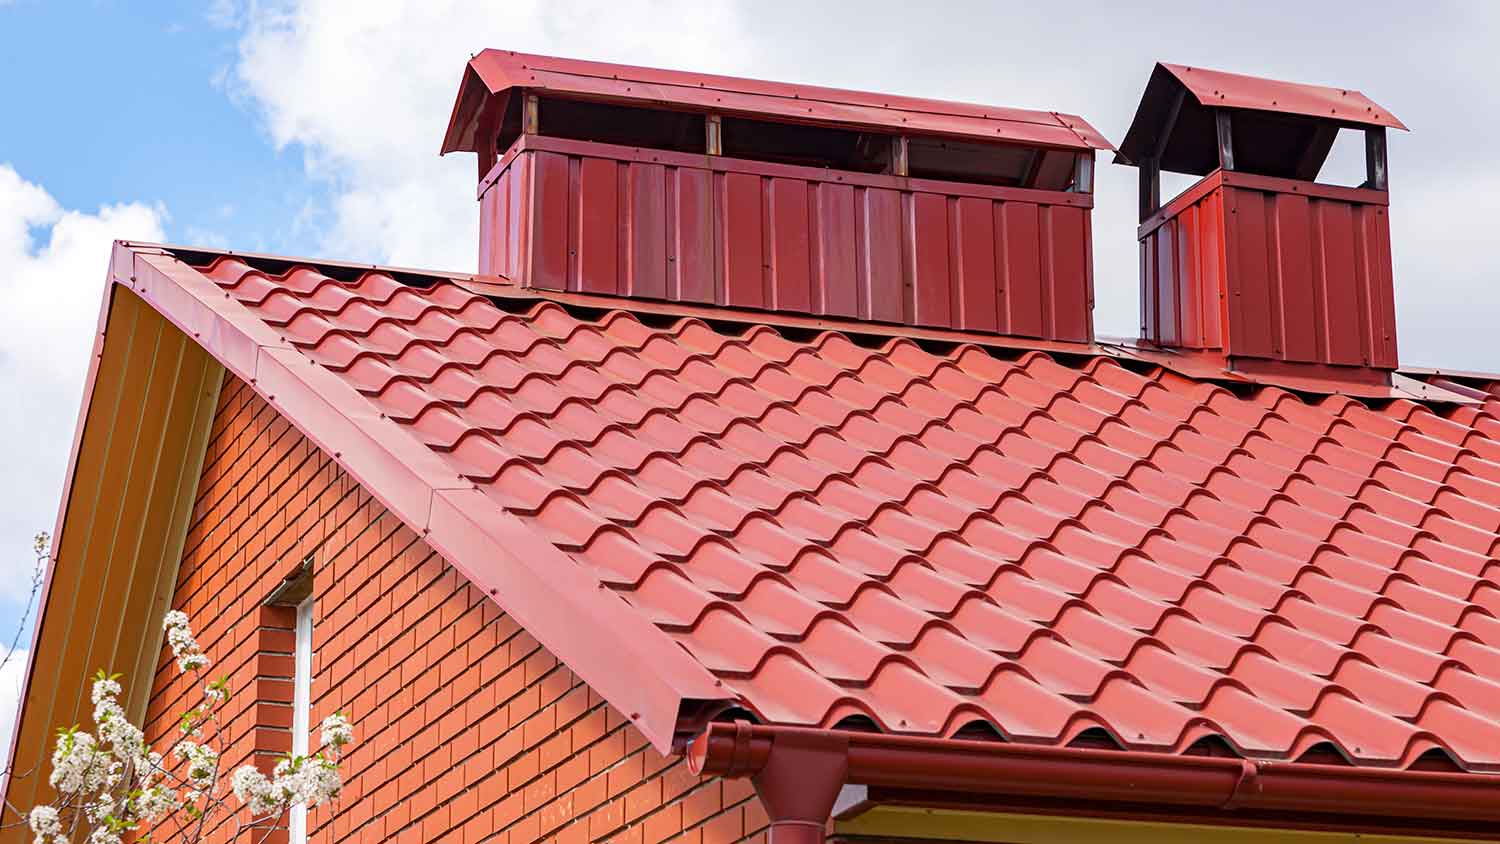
{"x":1130,"y":777}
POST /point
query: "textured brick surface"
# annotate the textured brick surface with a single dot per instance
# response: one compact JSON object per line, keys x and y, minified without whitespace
{"x":467,"y":729}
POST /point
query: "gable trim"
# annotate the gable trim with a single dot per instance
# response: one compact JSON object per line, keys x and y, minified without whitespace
{"x":634,"y":665}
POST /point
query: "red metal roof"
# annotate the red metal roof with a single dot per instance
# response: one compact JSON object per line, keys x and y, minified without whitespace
{"x":493,"y":71}
{"x":829,"y":528}
{"x":1235,"y":90}
{"x":1174,"y":121}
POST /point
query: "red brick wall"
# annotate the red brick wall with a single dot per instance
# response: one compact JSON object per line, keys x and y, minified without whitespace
{"x":466,"y":729}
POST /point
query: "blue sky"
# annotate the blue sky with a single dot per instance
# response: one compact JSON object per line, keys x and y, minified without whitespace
{"x":138,"y":108}
{"x":311,"y":127}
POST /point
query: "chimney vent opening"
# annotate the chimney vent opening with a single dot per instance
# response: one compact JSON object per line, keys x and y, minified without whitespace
{"x":656,"y":184}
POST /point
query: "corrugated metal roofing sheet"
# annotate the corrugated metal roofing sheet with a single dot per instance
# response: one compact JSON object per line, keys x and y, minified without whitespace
{"x":932,"y":540}
{"x":493,"y":71}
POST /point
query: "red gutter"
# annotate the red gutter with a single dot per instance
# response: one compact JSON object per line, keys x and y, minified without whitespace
{"x":1159,"y":780}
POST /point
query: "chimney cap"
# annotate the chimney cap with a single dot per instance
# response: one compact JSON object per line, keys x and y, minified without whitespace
{"x":1190,"y":144}
{"x":494,"y":71}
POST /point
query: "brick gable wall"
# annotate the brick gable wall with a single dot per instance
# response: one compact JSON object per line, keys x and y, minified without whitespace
{"x":467,"y":730}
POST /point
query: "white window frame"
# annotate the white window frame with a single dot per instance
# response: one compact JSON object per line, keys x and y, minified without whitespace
{"x":301,"y":709}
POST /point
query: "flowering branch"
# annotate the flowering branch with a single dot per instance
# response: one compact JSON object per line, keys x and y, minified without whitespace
{"x":41,"y":545}
{"x":110,"y":783}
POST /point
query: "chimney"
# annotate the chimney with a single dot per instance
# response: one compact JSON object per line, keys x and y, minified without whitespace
{"x":1257,"y":261}
{"x":628,"y":181}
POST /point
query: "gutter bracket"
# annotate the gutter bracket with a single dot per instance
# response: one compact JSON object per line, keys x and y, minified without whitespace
{"x":800,"y":782}
{"x":1247,"y":784}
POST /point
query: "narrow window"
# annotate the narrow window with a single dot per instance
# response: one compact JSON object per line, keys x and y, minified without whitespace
{"x":301,"y":707}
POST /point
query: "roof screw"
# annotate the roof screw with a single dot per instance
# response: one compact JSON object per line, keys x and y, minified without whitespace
{"x":718,"y":683}
{"x":635,"y":716}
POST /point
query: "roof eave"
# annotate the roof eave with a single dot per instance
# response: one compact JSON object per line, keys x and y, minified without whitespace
{"x":1289,"y":795}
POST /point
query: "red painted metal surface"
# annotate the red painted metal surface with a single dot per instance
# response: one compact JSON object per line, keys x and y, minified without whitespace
{"x":596,"y":218}
{"x":256,"y":325}
{"x":1058,"y":550}
{"x":1271,"y":269}
{"x":1174,"y":120}
{"x":495,"y":71}
{"x":1111,"y":782}
{"x":1233,"y":90}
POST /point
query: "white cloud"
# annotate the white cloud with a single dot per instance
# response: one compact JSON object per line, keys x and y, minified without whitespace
{"x":11,"y":677}
{"x":52,"y":272}
{"x":364,"y":90}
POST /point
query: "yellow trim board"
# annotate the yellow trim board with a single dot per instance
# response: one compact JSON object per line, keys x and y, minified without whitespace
{"x":960,"y":825}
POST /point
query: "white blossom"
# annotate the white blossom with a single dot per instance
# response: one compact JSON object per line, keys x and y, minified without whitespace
{"x":185,"y":648}
{"x":253,"y":789}
{"x":100,"y":808}
{"x":154,"y":802}
{"x":77,"y":765}
{"x":45,"y":822}
{"x":105,"y":688}
{"x":337,"y":731}
{"x":112,"y":783}
{"x":202,"y":760}
{"x":319,"y":781}
{"x":193,"y":662}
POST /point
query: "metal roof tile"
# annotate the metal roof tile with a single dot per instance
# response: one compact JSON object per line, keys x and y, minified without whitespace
{"x":926,"y":537}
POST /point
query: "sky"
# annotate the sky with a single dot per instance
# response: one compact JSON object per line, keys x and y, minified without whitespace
{"x":311,"y":127}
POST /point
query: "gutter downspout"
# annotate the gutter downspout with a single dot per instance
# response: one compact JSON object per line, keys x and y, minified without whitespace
{"x":798,"y":778}
{"x":775,"y":756}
